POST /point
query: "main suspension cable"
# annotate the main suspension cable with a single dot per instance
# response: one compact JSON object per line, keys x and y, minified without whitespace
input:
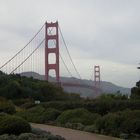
{"x":50,"y":30}
{"x":65,"y":65}
{"x":28,"y":56}
{"x":23,"y":47}
{"x":69,"y":53}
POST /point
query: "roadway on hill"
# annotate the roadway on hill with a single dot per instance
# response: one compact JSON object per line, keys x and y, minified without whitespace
{"x":70,"y":134}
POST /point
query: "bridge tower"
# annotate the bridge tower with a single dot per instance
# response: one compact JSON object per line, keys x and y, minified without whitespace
{"x":97,"y":79}
{"x":53,"y":38}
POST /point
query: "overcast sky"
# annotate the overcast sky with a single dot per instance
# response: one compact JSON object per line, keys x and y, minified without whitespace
{"x":97,"y":32}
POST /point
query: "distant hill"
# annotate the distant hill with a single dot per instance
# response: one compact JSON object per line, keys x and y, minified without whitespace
{"x":107,"y":87}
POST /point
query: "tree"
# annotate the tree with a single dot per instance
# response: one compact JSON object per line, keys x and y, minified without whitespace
{"x":135,"y":91}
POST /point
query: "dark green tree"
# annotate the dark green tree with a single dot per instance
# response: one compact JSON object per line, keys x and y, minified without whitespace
{"x":135,"y":91}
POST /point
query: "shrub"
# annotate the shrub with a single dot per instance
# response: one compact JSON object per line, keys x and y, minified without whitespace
{"x":104,"y":106}
{"x":110,"y":124}
{"x":131,"y":123}
{"x":26,"y":136}
{"x":120,"y":122}
{"x":80,"y":115}
{"x":39,"y":114}
{"x":77,"y":126}
{"x":38,"y":131}
{"x":31,"y":136}
{"x":44,"y":134}
{"x":22,"y":101}
{"x":34,"y":114}
{"x":7,"y":107}
{"x":27,"y":105}
{"x":124,"y":136}
{"x":13,"y":125}
{"x":91,"y":128}
{"x":51,"y":114}
{"x":63,"y":105}
{"x":8,"y":137}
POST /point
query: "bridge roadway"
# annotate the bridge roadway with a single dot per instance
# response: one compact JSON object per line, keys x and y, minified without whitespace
{"x":93,"y":88}
{"x":78,"y":85}
{"x":68,"y":84}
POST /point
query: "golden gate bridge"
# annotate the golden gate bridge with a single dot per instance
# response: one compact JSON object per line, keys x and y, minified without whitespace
{"x":37,"y":54}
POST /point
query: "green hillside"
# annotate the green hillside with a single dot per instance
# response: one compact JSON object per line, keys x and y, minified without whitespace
{"x":20,"y":87}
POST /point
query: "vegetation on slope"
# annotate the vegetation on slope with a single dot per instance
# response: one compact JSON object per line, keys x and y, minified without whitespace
{"x":18,"y":87}
{"x":79,"y":115}
{"x":13,"y":125}
{"x":115,"y":115}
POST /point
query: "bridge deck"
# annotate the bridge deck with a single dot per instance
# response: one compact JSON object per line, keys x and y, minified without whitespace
{"x":78,"y":85}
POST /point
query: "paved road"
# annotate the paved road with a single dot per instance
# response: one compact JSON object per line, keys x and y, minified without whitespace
{"x":70,"y":134}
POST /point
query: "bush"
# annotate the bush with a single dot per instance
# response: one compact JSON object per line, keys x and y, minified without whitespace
{"x":131,"y":123}
{"x":91,"y":128}
{"x":38,"y":131}
{"x":44,"y":134}
{"x":63,"y":105}
{"x":103,"y":106}
{"x":77,"y":126}
{"x":80,"y":115}
{"x":26,"y":136}
{"x":124,"y":136}
{"x":100,"y":106}
{"x":120,"y":122}
{"x":112,"y":123}
{"x":31,"y":136}
{"x":51,"y":114}
{"x":34,"y":114}
{"x":27,"y":105}
{"x":38,"y":114}
{"x":13,"y":125}
{"x":8,"y":137}
{"x":22,"y":101}
{"x":7,"y":107}
{"x":35,"y":134}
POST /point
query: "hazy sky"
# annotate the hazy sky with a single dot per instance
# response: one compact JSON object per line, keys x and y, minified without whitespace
{"x":97,"y":32}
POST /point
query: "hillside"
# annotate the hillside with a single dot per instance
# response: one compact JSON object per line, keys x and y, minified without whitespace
{"x":107,"y":87}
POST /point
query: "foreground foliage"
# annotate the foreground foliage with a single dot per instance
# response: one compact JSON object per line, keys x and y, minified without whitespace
{"x":135,"y":91}
{"x":35,"y":134}
{"x":13,"y":125}
{"x":120,"y":122}
{"x":39,"y":114}
{"x":7,"y":106}
{"x":80,"y":115}
{"x":114,"y":114}
{"x":101,"y":106}
{"x":20,"y":87}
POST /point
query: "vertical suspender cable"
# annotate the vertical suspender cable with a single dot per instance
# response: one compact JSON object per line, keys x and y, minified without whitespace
{"x":69,"y":53}
{"x":22,"y":48}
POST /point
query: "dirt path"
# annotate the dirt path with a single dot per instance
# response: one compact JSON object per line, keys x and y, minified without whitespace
{"x":70,"y":134}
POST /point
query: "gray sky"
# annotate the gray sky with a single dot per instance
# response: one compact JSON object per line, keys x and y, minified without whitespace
{"x":97,"y":32}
